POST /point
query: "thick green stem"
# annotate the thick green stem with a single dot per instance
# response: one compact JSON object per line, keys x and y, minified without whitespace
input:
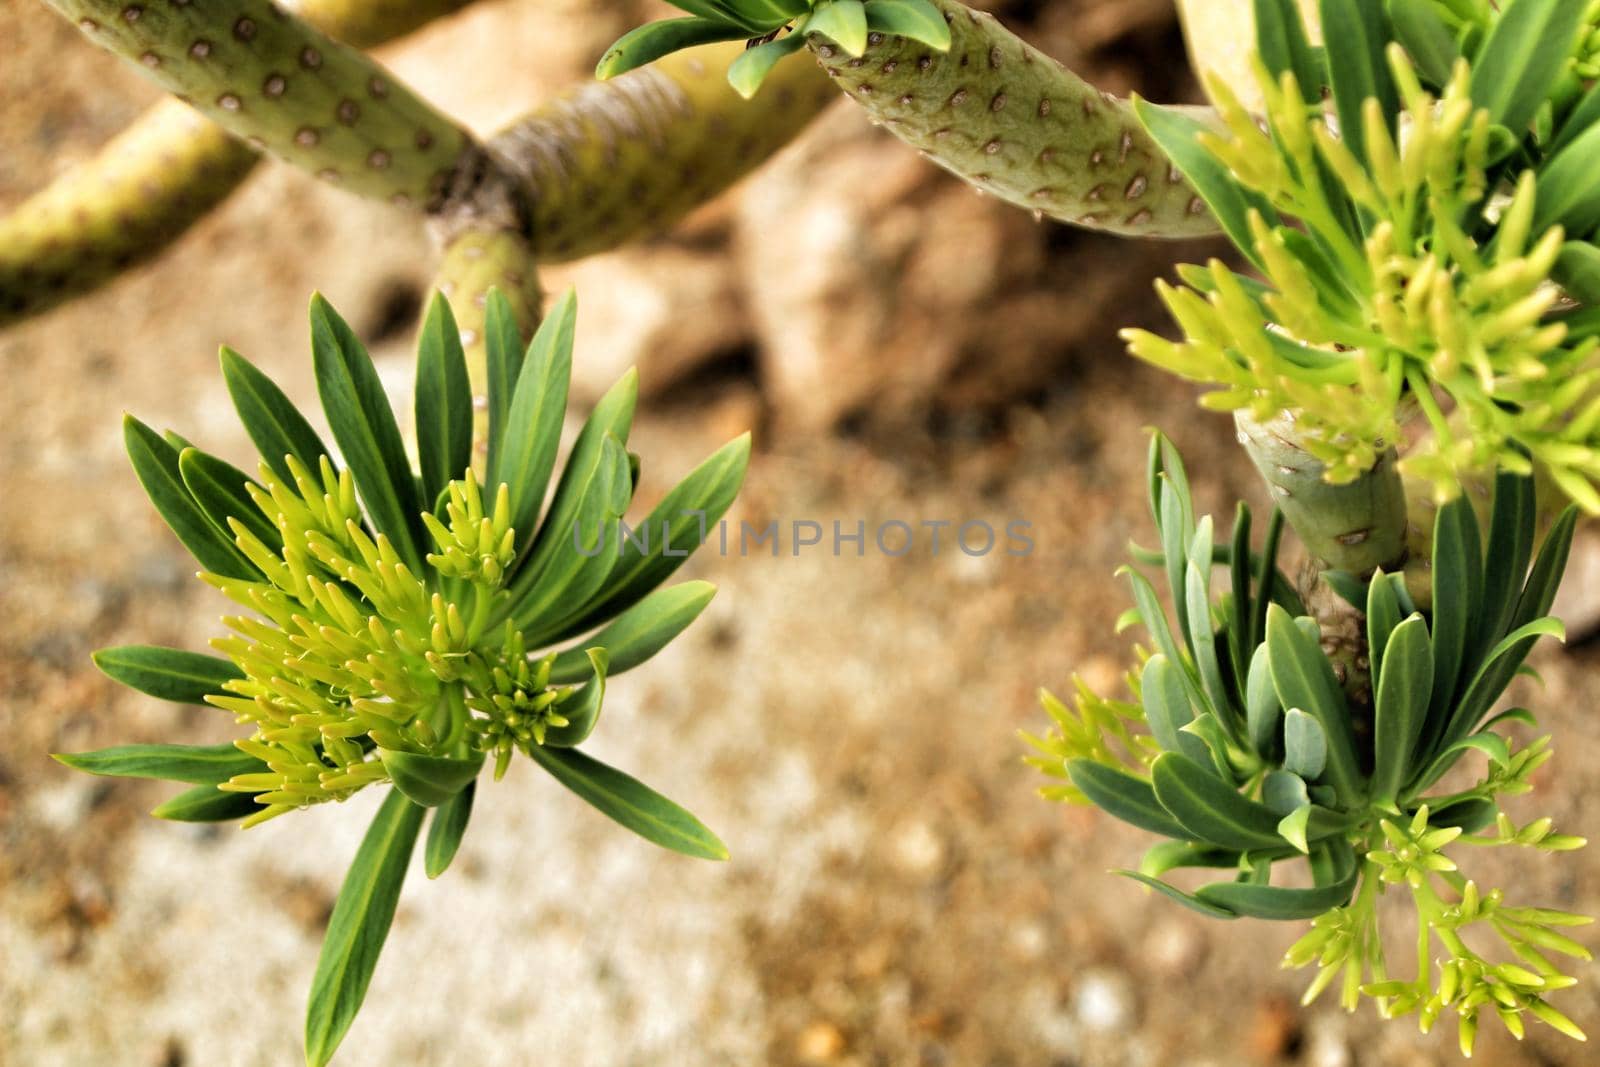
{"x":1016,"y":123}
{"x":281,"y":85}
{"x":1356,"y":526}
{"x":475,"y":261}
{"x":610,"y":162}
{"x":146,"y":187}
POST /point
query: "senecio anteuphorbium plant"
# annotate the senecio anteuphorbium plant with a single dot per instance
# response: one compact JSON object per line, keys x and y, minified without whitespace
{"x":1414,"y":207}
{"x":403,"y":627}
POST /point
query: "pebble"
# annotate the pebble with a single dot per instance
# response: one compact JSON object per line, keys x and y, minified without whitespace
{"x":1104,"y":1001}
{"x":917,"y":849}
{"x":820,"y":1042}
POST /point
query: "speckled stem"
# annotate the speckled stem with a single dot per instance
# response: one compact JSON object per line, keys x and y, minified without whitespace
{"x":1356,"y":526}
{"x":1016,"y":123}
{"x":473,"y":262}
{"x":146,"y":187}
{"x":142,"y":190}
{"x":609,"y":162}
{"x":283,"y":86}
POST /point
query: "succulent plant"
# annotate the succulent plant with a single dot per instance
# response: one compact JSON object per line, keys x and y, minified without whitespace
{"x":1254,"y":756}
{"x":401,"y":626}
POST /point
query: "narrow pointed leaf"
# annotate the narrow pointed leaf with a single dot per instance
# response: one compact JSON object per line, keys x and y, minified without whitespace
{"x":1383,"y":615}
{"x":206,"y":803}
{"x":844,"y":22}
{"x":1133,"y":800}
{"x":1355,"y":36}
{"x":503,"y":352}
{"x":443,"y":401}
{"x":1188,"y":900}
{"x":167,"y":673}
{"x":430,"y":780}
{"x":631,"y":803}
{"x":638,"y":633}
{"x":365,"y":429}
{"x":194,"y":764}
{"x":445,"y":830}
{"x":582,"y":710}
{"x":1276,"y":902}
{"x":359,"y":925}
{"x":1527,"y":46}
{"x":677,"y":526}
{"x":1211,"y":810}
{"x":1304,"y":679}
{"x":653,"y":40}
{"x":1282,"y":44}
{"x":274,"y":424}
{"x":155,"y":463}
{"x":751,"y":67}
{"x":219,"y":488}
{"x":1402,"y":706}
{"x":915,"y":20}
{"x":1425,"y":37}
{"x":1166,"y":702}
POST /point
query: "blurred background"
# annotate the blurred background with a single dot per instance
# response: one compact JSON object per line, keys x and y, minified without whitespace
{"x":904,"y":349}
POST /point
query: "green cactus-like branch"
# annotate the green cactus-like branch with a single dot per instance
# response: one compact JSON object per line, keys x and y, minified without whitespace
{"x":146,"y":187}
{"x":612,"y":161}
{"x":474,"y":262}
{"x":283,"y":86}
{"x":1017,"y":124}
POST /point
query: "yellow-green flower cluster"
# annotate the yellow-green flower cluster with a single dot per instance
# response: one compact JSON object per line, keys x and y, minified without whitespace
{"x":347,"y":652}
{"x":1381,"y":302}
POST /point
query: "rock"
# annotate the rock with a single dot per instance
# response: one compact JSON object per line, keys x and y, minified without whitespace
{"x":820,"y":1042}
{"x":1104,"y":1001}
{"x":917,"y":850}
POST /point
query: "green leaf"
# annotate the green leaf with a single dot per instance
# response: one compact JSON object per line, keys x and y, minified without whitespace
{"x":1263,"y":712}
{"x":677,"y":526}
{"x":1512,"y":520}
{"x":503,"y":351}
{"x":1539,"y":593}
{"x":1457,"y":589}
{"x":1155,"y":622}
{"x":1284,"y":792}
{"x":274,"y":424}
{"x":915,"y":20}
{"x":1304,"y":679}
{"x":751,"y":67}
{"x":443,"y":401}
{"x":1383,"y":615}
{"x":1282,"y":44}
{"x":1204,"y":740}
{"x":1118,"y":793}
{"x":582,"y":709}
{"x":1239,"y":643}
{"x":1402,"y":695}
{"x":1173,"y":855}
{"x":1277,"y":902}
{"x":1166,"y":702}
{"x":1579,"y":120}
{"x":653,"y":40}
{"x":844,"y":22}
{"x":1471,"y":815}
{"x":445,"y":831}
{"x":1565,"y":195}
{"x":1526,"y":50}
{"x":155,"y":463}
{"x":1177,"y":528}
{"x":1188,"y":900}
{"x":1577,"y":270}
{"x":638,"y":633}
{"x":430,"y":780}
{"x":1305,"y":745}
{"x":527,"y":452}
{"x":1229,"y":201}
{"x":219,"y":488}
{"x":364,"y":427}
{"x":206,"y":803}
{"x":1210,"y":809}
{"x":194,"y":764}
{"x":630,"y":803}
{"x":359,"y":925}
{"x":1355,"y":36}
{"x":166,"y":673}
{"x":1426,"y":39}
{"x":573,"y":576}
{"x":612,"y":416}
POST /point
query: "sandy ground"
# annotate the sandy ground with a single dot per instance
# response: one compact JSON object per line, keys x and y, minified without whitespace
{"x":898,"y":895}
